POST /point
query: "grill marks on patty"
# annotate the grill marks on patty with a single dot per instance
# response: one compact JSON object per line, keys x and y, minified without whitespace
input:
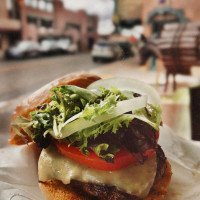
{"x":105,"y":192}
{"x":102,"y":192}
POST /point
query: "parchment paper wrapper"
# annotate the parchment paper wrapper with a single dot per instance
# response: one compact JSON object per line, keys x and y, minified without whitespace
{"x":18,"y":169}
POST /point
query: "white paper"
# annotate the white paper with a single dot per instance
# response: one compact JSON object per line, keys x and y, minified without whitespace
{"x":184,"y":156}
{"x":18,"y":169}
{"x":18,"y":173}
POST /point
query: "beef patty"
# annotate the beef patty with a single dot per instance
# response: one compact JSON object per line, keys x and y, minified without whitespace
{"x":105,"y":192}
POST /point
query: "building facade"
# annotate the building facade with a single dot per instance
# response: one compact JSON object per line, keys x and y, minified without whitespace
{"x":39,"y":19}
{"x":80,"y":27}
{"x":156,"y":13}
{"x":10,"y":25}
{"x":129,"y":9}
{"x":127,"y":13}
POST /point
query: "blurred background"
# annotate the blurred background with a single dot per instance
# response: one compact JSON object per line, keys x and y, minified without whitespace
{"x":155,"y":41}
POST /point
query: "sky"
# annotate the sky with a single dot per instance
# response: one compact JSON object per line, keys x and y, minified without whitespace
{"x":103,"y":8}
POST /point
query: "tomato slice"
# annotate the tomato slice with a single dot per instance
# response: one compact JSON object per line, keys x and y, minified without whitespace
{"x":122,"y":158}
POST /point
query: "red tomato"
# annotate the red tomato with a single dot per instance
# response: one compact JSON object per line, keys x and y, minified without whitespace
{"x":122,"y":158}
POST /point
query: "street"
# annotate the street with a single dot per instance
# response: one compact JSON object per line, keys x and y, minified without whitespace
{"x":19,"y":77}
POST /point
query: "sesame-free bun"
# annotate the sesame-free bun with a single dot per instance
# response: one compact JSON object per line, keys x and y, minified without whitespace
{"x":42,"y":96}
{"x":56,"y":190}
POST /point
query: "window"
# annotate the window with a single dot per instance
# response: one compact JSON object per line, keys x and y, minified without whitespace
{"x":42,"y":4}
{"x":28,"y":2}
{"x":31,"y":19}
{"x":31,"y":3}
{"x":49,"y":7}
{"x":14,"y":11}
{"x":72,"y":26}
{"x":9,"y":4}
{"x":34,"y":3}
{"x":46,"y":5}
{"x":46,"y":23}
{"x":90,"y":29}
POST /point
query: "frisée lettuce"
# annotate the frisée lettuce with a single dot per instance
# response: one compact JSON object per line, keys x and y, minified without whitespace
{"x":69,"y":101}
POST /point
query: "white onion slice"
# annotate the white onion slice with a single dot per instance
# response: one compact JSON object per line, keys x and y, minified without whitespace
{"x":73,"y":125}
{"x":131,"y":85}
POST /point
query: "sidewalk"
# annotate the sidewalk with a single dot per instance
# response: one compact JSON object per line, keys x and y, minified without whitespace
{"x":127,"y":68}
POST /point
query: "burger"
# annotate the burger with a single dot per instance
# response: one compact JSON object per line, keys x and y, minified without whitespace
{"x":98,"y":138}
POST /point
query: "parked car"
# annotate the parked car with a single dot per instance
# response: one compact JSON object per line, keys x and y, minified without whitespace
{"x":23,"y":49}
{"x":106,"y":51}
{"x":64,"y":45}
{"x":73,"y":48}
{"x":48,"y":46}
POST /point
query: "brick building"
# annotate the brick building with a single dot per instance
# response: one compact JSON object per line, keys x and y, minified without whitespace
{"x":155,"y":13}
{"x":39,"y":19}
{"x":10,"y":25}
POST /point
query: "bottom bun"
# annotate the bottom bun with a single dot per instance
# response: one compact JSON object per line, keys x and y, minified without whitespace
{"x":56,"y":190}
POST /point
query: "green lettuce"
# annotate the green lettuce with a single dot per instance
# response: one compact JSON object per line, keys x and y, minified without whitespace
{"x":23,"y":123}
{"x":150,"y":114}
{"x":111,"y":126}
{"x":106,"y":151}
{"x":68,"y":101}
{"x":91,"y":111}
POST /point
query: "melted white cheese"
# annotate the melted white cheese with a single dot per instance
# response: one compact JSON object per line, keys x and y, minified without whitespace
{"x":134,"y":179}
